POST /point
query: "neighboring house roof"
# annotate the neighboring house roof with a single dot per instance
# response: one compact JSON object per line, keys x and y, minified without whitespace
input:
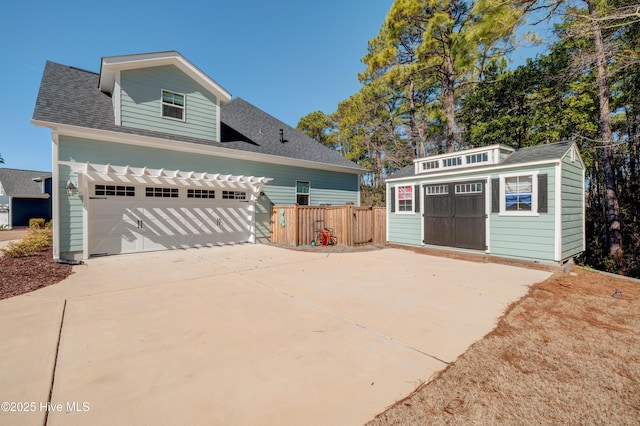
{"x":549,"y":152}
{"x":70,"y":96}
{"x":21,"y":184}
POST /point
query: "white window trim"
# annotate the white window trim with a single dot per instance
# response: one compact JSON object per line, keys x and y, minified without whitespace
{"x":534,"y":194}
{"x":2,"y":194}
{"x":397,"y":200}
{"x":184,"y":107}
{"x":302,"y":193}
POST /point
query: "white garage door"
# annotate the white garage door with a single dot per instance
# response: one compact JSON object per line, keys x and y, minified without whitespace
{"x":128,"y":219}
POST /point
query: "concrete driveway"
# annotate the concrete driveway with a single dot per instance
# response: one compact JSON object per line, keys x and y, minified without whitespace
{"x":248,"y":334}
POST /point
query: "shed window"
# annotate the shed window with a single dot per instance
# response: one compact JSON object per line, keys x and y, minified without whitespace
{"x":405,"y":198}
{"x":437,"y":189}
{"x":303,"y":191}
{"x":518,"y":193}
{"x":172,"y":105}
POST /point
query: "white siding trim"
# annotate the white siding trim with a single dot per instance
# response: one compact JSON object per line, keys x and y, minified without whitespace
{"x":387,"y":191}
{"x":218,"y":137}
{"x":488,"y":192}
{"x":83,"y":185}
{"x":55,"y":191}
{"x":558,"y":214}
{"x":117,"y":99}
{"x":584,"y":212}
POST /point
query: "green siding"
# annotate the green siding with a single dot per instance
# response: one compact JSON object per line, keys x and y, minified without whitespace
{"x":527,"y":237}
{"x":326,"y":187}
{"x":70,"y":214}
{"x":404,"y":228}
{"x":572,"y":208}
{"x":141,"y":104}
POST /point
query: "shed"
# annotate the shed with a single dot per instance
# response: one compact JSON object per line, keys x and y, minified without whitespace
{"x":526,"y":204}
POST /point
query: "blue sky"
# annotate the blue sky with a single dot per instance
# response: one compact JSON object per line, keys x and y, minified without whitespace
{"x":287,"y":57}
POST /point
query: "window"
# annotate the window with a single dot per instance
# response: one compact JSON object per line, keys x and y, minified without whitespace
{"x":115,"y":190}
{"x":518,"y":193}
{"x":234,"y":195}
{"x":451,"y":162}
{"x":437,"y":189}
{"x":483,"y":157}
{"x":303,"y":190}
{"x":161,"y":192}
{"x":429,"y":165}
{"x":201,"y":193}
{"x":172,"y":105}
{"x":468,"y":188}
{"x":1,"y":190}
{"x":405,"y":198}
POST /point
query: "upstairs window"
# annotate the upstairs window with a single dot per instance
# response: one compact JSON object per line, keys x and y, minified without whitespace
{"x":172,"y":105}
{"x":303,"y":190}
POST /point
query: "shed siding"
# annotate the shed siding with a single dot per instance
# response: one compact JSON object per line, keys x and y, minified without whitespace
{"x":404,"y":228}
{"x":572,"y":209}
{"x":141,"y":105}
{"x":326,"y":187}
{"x":527,"y":237}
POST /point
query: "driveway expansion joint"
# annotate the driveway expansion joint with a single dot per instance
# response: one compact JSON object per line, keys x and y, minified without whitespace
{"x":348,"y":321}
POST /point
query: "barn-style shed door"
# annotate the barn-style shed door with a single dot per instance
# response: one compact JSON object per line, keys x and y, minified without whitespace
{"x":454,"y":215}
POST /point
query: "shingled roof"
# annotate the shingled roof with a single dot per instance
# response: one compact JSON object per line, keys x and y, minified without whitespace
{"x":70,"y":96}
{"x":20,"y":183}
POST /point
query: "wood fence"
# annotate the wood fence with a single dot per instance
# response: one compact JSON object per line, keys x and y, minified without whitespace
{"x":297,"y":225}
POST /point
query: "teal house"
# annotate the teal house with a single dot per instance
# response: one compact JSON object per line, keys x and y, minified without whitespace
{"x":526,"y":204}
{"x":151,"y":153}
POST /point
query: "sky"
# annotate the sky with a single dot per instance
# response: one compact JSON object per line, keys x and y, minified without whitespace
{"x":287,"y":57}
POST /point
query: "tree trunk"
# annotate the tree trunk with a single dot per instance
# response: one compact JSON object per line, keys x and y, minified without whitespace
{"x":415,"y":137}
{"x":611,"y":198}
{"x":449,"y":101}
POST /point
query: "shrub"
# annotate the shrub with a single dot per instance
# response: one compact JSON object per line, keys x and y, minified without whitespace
{"x":49,"y":225}
{"x":35,"y":240}
{"x":36,"y":223}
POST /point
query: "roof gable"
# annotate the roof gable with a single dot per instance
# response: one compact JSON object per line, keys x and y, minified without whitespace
{"x":111,"y":65}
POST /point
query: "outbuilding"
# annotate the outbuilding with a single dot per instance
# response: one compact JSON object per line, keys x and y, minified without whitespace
{"x":526,"y":203}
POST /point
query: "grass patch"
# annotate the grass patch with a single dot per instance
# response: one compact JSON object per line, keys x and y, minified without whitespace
{"x":567,"y":353}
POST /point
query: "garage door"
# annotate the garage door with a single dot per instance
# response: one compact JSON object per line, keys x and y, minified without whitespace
{"x":454,"y":215}
{"x":128,"y":219}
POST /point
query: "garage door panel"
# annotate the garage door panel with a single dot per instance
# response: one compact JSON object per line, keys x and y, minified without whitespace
{"x":143,"y":223}
{"x":235,"y":223}
{"x":201,"y":225}
{"x":113,"y":227}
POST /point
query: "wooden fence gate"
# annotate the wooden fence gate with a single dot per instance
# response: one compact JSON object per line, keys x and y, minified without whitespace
{"x":297,"y":225}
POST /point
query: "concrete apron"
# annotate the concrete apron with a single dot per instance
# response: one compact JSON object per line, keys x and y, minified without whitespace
{"x":247,"y":334}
